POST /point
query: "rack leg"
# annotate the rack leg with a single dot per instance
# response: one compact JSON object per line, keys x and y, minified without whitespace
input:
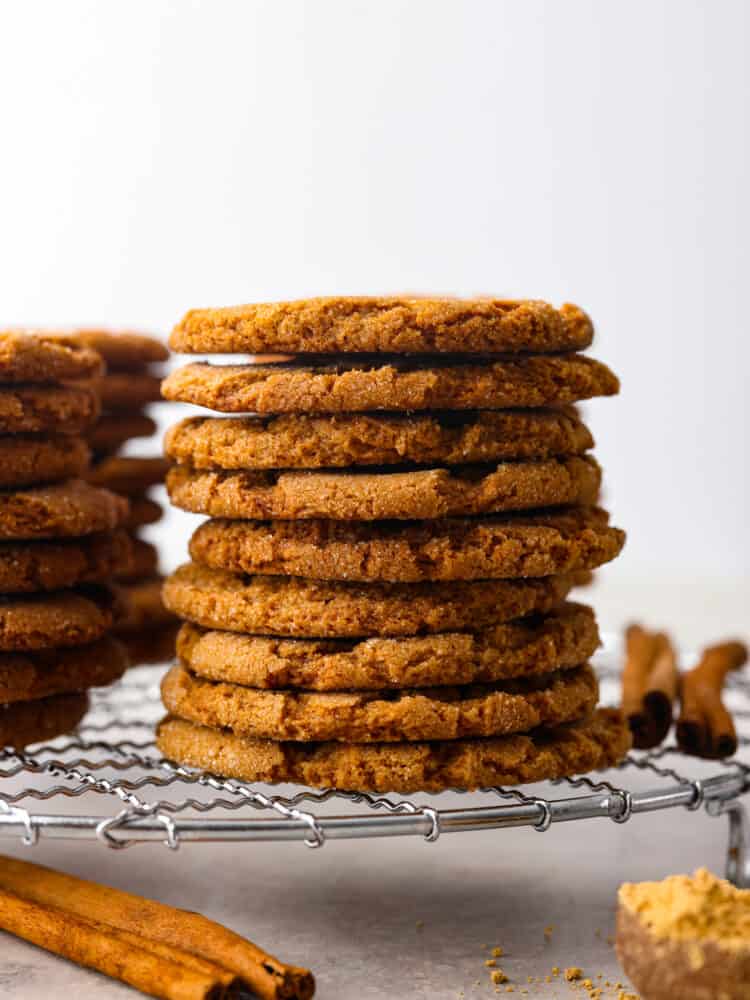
{"x":738,"y":850}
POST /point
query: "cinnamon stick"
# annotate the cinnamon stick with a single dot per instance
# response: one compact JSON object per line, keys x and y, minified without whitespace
{"x":650,"y":682}
{"x":662,"y":689}
{"x":152,"y":969}
{"x":170,"y":931}
{"x":705,"y":727}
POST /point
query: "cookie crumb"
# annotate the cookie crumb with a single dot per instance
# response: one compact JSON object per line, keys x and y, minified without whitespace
{"x":573,"y":972}
{"x":498,"y":976}
{"x":490,"y":963}
{"x":496,"y":952}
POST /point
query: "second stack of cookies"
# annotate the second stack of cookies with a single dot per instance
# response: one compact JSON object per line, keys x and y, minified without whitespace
{"x":61,"y":541}
{"x":128,"y":389}
{"x":378,"y":601}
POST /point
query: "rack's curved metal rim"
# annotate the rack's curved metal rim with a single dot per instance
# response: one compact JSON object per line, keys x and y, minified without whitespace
{"x":608,"y":805}
{"x":139,"y":821}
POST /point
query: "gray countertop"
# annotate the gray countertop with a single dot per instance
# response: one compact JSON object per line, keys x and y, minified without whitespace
{"x":396,"y":918}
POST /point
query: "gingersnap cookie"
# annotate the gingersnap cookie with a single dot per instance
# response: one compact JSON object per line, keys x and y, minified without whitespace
{"x":35,"y":356}
{"x":559,"y":640}
{"x":156,"y":645}
{"x":128,"y":391}
{"x":595,"y":743}
{"x":28,"y":676}
{"x":493,"y":547}
{"x":300,"y":441}
{"x":112,"y":431}
{"x":60,"y":619}
{"x":391,"y":324}
{"x":28,"y":567}
{"x":28,"y":722}
{"x":443,"y":713}
{"x":686,"y":937}
{"x":26,"y":460}
{"x":123,"y":350}
{"x":69,"y":509}
{"x":349,"y":386}
{"x":128,"y":474}
{"x":368,"y":496}
{"x":143,"y":607}
{"x":59,"y":409}
{"x":143,"y":511}
{"x":290,"y":606}
{"x":145,"y":562}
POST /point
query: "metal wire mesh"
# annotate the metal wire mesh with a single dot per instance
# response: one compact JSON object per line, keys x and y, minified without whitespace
{"x":107,"y":782}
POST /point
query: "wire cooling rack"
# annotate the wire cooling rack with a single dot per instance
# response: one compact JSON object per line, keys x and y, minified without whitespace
{"x":108,"y":783}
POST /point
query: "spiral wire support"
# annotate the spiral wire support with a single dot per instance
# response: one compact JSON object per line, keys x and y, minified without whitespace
{"x":141,"y":797}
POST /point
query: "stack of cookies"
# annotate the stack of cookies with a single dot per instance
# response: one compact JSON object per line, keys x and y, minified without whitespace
{"x":130,"y":384}
{"x":378,"y":601}
{"x":61,"y":541}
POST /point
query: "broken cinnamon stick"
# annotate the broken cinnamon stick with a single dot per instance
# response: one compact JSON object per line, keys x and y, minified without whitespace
{"x":705,"y":727}
{"x":170,"y":936}
{"x":650,"y":682}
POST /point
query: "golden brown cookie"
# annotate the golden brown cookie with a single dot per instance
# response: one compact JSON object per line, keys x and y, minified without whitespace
{"x":27,"y":567}
{"x":38,"y":721}
{"x":128,"y":391}
{"x":594,"y":743}
{"x":291,"y":606}
{"x":36,"y":356}
{"x":145,"y":562}
{"x":143,"y":510}
{"x":441,"y":713}
{"x":123,"y":350}
{"x":60,"y":619}
{"x":129,"y":474}
{"x":495,"y":547}
{"x":559,"y":640}
{"x":156,"y":645}
{"x":25,"y":677}
{"x":143,"y":606}
{"x":685,"y":937}
{"x":391,"y":324}
{"x":29,"y":459}
{"x":69,"y":509}
{"x":59,"y":409}
{"x":299,"y":441}
{"x":112,"y":430}
{"x":346,"y":387}
{"x":367,"y":496}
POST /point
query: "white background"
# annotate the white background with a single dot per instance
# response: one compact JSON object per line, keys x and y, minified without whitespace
{"x":161,"y":155}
